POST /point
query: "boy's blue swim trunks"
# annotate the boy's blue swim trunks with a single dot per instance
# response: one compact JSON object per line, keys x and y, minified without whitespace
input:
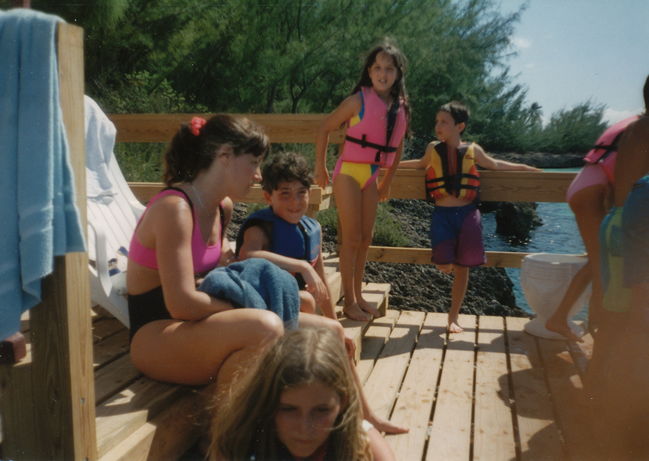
{"x":456,"y":236}
{"x":635,"y":234}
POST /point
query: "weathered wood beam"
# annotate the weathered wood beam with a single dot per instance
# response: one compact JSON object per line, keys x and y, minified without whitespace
{"x":281,"y":128}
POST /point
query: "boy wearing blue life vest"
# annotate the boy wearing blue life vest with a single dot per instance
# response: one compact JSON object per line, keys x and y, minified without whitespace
{"x":283,"y":234}
{"x":453,"y":183}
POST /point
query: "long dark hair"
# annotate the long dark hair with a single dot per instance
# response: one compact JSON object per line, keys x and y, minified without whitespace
{"x":645,"y":92}
{"x":398,"y":91}
{"x":189,"y":153}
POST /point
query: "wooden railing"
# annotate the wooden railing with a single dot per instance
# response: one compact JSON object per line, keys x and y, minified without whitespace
{"x":508,"y":186}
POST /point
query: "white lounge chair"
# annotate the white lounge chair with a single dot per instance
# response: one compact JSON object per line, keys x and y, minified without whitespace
{"x":113,"y":212}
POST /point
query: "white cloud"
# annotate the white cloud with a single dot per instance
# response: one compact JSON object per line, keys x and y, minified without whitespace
{"x":520,"y":43}
{"x":615,"y":115}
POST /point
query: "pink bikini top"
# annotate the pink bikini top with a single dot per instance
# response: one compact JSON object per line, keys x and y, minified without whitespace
{"x":206,"y":257}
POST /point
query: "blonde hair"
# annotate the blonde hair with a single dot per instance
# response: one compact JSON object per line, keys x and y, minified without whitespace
{"x":245,"y":424}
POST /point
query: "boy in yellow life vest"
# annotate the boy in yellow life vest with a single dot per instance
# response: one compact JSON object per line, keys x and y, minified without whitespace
{"x":453,"y":182}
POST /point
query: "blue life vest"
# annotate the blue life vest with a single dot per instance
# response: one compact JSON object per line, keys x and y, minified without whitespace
{"x":299,"y":241}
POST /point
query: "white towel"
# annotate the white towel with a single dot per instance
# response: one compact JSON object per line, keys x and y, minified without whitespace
{"x":100,"y":141}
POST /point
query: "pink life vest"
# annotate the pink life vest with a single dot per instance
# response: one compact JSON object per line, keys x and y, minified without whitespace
{"x":604,"y":152}
{"x":365,"y":141}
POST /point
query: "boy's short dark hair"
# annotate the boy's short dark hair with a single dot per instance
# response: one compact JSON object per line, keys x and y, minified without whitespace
{"x":457,"y":110}
{"x":285,"y":167}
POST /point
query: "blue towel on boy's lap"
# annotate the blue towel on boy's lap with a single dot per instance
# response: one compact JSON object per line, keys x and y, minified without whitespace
{"x":257,"y":283}
{"x":38,"y":216}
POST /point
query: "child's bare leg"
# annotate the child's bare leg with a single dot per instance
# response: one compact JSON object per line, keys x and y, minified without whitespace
{"x":370,"y":200}
{"x":589,"y":207}
{"x":348,"y":202}
{"x":558,"y":322}
{"x":307,"y":302}
{"x":446,"y":268}
{"x":458,"y":290}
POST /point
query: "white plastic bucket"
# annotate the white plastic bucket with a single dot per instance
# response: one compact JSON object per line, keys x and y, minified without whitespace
{"x":545,"y":277}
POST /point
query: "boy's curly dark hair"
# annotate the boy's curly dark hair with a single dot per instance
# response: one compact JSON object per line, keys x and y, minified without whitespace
{"x":285,"y":167}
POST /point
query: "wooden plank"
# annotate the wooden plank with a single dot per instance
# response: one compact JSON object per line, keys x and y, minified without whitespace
{"x":143,"y":191}
{"x":374,"y":340}
{"x":570,"y":401}
{"x":113,"y":377}
{"x":111,"y":348}
{"x":582,"y":352}
{"x":166,"y":437}
{"x":422,"y":256}
{"x":507,"y":186}
{"x":414,"y":404}
{"x":539,"y":437}
{"x":129,"y":410}
{"x":385,"y":381}
{"x":450,"y":435}
{"x":60,"y":326}
{"x":280,"y":128}
{"x":493,"y":425}
{"x":102,"y":328}
{"x":377,"y":294}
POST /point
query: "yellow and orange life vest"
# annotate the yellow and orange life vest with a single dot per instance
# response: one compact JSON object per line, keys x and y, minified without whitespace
{"x":456,"y":175}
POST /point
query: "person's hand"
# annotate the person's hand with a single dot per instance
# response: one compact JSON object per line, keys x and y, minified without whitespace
{"x":314,"y":284}
{"x":384,"y":425}
{"x":350,"y":346}
{"x":384,"y":191}
{"x":227,"y":253}
{"x":321,"y":175}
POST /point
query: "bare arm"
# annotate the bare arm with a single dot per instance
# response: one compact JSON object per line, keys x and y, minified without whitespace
{"x":345,"y":111}
{"x":172,"y":225}
{"x":487,"y":161}
{"x":327,"y":304}
{"x":227,"y":251}
{"x":384,"y":185}
{"x":632,"y":160}
{"x":255,"y":244}
{"x":420,"y":162}
{"x":381,"y":451}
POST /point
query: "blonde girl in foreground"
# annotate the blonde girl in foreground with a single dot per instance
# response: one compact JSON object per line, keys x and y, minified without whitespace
{"x":300,"y":404}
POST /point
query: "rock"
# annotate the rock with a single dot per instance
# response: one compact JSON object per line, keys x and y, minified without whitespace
{"x":517,"y":219}
{"x":422,"y":287}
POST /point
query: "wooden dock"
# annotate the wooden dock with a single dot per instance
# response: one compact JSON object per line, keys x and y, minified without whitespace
{"x":492,"y":392}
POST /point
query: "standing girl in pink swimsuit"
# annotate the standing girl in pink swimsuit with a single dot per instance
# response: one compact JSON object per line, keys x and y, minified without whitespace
{"x":589,"y":197}
{"x":376,"y":116}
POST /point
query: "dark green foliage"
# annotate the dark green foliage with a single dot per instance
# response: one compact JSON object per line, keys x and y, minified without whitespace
{"x":246,"y":56}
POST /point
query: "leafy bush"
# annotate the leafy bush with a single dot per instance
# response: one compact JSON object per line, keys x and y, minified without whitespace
{"x":387,"y":229}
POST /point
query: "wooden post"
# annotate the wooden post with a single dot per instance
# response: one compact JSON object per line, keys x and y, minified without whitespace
{"x":49,"y":401}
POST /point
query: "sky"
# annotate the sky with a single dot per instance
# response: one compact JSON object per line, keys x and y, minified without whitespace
{"x":572,"y":51}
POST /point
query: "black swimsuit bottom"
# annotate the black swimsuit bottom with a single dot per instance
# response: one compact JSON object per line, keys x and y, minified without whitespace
{"x":146,"y":307}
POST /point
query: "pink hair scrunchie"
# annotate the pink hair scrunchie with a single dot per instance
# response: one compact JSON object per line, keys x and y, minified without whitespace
{"x":196,"y":124}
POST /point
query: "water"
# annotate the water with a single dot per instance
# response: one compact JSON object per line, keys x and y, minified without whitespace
{"x":558,"y":234}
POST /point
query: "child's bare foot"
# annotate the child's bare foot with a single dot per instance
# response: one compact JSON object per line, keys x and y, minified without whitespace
{"x":446,"y":268}
{"x":454,"y":327}
{"x":562,"y":327}
{"x":354,"y":312}
{"x":367,"y":307}
{"x":384,"y":425}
